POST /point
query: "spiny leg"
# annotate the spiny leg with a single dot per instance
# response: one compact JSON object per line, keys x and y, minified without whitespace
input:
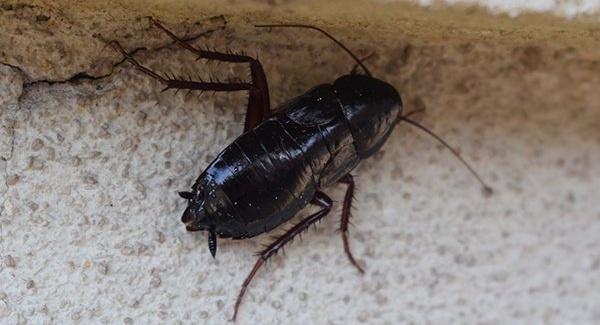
{"x":321,"y":199}
{"x":346,"y":211}
{"x":258,"y":101}
{"x":178,"y":83}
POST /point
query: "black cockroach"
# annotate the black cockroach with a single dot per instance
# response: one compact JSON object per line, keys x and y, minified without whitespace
{"x":287,"y":156}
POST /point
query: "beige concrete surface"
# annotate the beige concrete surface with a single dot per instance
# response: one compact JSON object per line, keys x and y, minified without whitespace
{"x":93,"y":155}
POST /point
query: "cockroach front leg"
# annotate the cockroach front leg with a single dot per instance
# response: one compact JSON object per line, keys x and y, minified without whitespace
{"x":320,"y":199}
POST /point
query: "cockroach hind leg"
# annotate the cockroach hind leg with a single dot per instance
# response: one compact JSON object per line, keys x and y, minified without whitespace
{"x":320,"y":199}
{"x":258,"y":107}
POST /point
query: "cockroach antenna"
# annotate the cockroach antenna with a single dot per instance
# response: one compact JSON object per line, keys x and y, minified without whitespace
{"x":487,"y":190}
{"x":358,"y":61}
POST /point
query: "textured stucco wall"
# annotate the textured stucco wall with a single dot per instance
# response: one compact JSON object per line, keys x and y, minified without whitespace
{"x":92,"y":155}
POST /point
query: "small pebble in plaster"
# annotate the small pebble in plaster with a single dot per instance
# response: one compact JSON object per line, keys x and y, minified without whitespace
{"x":12,"y":179}
{"x":140,"y":119}
{"x":42,"y":18}
{"x":4,"y":310}
{"x":32,"y":206}
{"x":9,"y":208}
{"x":400,"y":278}
{"x":136,"y":249}
{"x":90,"y":180}
{"x":75,"y":161}
{"x":381,"y":300}
{"x":363,"y":317}
{"x":160,"y":237}
{"x":276,"y":304}
{"x":44,"y":310}
{"x":9,"y":261}
{"x":303,"y":296}
{"x":316,"y":257}
{"x":76,"y":316}
{"x":141,"y":189}
{"x":37,"y":144}
{"x":397,"y":173}
{"x":35,"y":163}
{"x":155,"y":281}
{"x":103,"y":268}
{"x":467,"y":260}
{"x":531,"y":56}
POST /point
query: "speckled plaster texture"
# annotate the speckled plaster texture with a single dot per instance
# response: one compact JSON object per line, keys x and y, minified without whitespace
{"x":93,"y":154}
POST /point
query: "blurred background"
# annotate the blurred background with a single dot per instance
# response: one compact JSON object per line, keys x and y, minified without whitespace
{"x":93,"y":154}
{"x":566,"y":8}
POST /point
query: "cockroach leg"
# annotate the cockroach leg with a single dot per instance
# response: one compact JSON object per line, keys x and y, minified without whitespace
{"x":258,"y":101}
{"x":180,"y":83}
{"x":346,"y":211}
{"x":320,"y":199}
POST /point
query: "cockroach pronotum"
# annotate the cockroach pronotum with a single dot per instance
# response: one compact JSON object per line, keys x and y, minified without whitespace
{"x":287,"y":156}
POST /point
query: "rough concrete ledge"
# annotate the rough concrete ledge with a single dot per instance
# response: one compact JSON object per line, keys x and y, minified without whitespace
{"x":92,"y":155}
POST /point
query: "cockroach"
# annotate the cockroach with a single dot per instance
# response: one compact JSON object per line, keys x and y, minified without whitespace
{"x":287,"y":156}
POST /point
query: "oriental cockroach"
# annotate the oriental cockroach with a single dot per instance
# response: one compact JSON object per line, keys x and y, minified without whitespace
{"x":286,"y":157}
